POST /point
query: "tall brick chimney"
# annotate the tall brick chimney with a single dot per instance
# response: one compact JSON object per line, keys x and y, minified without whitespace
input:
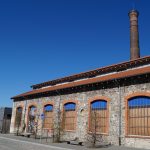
{"x":134,"y":35}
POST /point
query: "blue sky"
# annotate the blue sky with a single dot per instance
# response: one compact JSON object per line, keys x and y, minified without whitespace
{"x":42,"y":40}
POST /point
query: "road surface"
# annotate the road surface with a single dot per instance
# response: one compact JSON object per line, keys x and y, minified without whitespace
{"x":13,"y":144}
{"x":10,"y":142}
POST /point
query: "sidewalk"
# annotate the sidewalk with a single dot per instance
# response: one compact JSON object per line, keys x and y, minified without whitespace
{"x":62,"y":145}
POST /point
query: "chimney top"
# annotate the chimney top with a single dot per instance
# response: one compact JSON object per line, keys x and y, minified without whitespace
{"x":134,"y":11}
{"x":134,"y":35}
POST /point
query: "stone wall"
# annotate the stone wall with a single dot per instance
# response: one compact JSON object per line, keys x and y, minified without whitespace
{"x":117,"y":121}
{"x":139,"y":142}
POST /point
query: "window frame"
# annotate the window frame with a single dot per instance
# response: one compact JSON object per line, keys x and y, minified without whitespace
{"x":44,"y":105}
{"x":16,"y":115}
{"x":76,"y":109}
{"x":127,"y":98}
{"x":97,"y":98}
{"x":29,"y":108}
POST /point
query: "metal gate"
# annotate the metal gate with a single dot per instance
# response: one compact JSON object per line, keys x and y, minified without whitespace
{"x":5,"y":128}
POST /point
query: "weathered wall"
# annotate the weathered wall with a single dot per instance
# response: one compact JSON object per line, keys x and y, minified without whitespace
{"x":5,"y":116}
{"x":116,"y":113}
{"x":1,"y":117}
{"x":139,"y":142}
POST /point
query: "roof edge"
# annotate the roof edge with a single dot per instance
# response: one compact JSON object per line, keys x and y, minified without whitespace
{"x":90,"y":71}
{"x":119,"y":75}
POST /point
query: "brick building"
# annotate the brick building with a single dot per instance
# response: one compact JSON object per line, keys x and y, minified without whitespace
{"x":119,"y":94}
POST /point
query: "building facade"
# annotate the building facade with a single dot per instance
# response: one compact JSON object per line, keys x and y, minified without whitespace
{"x":116,"y":96}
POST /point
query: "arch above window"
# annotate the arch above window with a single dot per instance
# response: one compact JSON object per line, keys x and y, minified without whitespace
{"x":70,"y":107}
{"x":140,"y":101}
{"x":48,"y":108}
{"x":98,"y":104}
{"x":19,"y":109}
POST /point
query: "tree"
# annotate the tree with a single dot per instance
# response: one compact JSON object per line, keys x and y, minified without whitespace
{"x":58,"y":126}
{"x":36,"y":125}
{"x":33,"y":123}
{"x":94,"y":135}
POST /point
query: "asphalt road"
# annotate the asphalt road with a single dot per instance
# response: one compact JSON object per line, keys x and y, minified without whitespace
{"x":13,"y":144}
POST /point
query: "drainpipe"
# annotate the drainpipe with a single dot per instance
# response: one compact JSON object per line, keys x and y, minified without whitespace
{"x":120,"y":112}
{"x":59,"y":98}
{"x":59,"y":115}
{"x":120,"y":115}
{"x":59,"y":102}
{"x":25,"y":109}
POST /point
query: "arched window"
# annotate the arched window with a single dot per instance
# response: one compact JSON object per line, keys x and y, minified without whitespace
{"x":32,"y":114}
{"x":69,"y":116}
{"x":18,"y":117}
{"x":98,"y":116}
{"x":139,"y":116}
{"x":48,"y":116}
